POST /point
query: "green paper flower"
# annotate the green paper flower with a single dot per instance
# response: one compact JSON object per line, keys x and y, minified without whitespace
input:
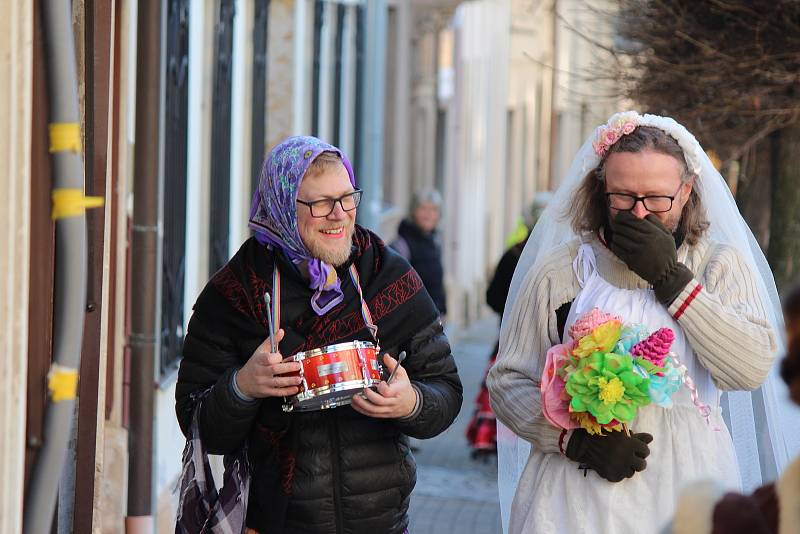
{"x":606,"y":386}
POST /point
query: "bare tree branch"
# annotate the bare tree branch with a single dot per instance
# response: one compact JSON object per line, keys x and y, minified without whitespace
{"x":728,"y":69}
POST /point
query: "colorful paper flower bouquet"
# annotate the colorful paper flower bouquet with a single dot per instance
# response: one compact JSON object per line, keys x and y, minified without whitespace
{"x":606,"y":372}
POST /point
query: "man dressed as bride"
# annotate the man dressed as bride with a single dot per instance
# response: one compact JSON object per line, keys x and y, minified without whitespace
{"x":643,"y":227}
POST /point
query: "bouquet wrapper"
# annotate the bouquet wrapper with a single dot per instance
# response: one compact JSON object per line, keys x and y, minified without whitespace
{"x":555,"y":401}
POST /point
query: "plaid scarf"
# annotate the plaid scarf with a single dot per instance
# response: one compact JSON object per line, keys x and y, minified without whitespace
{"x":201,"y":509}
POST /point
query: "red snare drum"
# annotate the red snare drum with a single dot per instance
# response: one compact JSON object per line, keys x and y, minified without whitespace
{"x":333,"y":374}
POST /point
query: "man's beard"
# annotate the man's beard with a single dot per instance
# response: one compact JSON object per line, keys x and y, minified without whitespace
{"x":673,"y":222}
{"x":335,"y":257}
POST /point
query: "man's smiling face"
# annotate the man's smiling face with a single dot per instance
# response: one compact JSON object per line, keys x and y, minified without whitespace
{"x":327,"y":238}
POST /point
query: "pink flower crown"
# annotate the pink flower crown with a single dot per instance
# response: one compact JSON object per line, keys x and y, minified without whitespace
{"x":613,"y":132}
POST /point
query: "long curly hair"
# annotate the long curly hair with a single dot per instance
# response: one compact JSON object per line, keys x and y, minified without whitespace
{"x":588,"y":211}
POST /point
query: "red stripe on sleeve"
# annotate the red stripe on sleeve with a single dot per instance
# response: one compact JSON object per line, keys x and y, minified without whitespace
{"x":688,"y":301}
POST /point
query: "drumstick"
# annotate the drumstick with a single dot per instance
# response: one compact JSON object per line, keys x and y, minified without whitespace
{"x":268,"y":302}
{"x":400,"y":358}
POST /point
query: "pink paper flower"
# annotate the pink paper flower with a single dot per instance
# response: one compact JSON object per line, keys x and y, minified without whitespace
{"x":656,"y":347}
{"x":590,"y":320}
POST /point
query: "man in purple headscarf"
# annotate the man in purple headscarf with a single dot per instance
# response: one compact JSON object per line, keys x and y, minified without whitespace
{"x":341,"y":470}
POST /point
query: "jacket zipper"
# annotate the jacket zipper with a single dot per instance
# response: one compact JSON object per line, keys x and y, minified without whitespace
{"x":337,"y":505}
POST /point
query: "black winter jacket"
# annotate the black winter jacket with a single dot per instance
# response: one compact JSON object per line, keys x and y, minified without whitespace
{"x":425,"y":257}
{"x":497,"y":292}
{"x":329,"y":471}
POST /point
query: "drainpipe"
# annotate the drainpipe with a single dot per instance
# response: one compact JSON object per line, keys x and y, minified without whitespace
{"x":371,"y":130}
{"x":69,"y":206}
{"x":403,"y":106}
{"x":144,"y":269}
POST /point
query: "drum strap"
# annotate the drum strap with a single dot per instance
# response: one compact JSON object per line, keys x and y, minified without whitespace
{"x":365,"y":313}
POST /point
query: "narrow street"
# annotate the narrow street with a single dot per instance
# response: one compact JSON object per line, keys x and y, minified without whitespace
{"x":454,"y":493}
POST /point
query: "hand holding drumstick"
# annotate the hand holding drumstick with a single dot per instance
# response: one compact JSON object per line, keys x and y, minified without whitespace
{"x":394,"y":398}
{"x":260,"y":376}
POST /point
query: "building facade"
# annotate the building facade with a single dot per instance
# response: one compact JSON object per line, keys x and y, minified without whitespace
{"x":180,"y":101}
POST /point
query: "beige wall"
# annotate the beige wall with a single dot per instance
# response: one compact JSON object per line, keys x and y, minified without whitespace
{"x":582,"y":102}
{"x":475,"y":181}
{"x":16,"y":33}
{"x":530,"y":100}
{"x":413,"y":55}
{"x":486,"y":66}
{"x":280,"y":81}
{"x":111,"y":484}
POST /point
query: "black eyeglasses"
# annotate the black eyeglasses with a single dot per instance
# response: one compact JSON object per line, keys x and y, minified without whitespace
{"x":324,"y":207}
{"x":652,"y":203}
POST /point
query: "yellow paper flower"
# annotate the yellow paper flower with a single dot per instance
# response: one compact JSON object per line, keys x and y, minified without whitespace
{"x":602,"y":339}
{"x":611,"y":391}
{"x":590,"y":424}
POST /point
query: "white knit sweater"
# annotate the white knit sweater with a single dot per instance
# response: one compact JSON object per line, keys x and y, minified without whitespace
{"x":719,"y":312}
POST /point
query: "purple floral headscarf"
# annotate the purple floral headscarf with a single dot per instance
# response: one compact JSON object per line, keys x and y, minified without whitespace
{"x":273,"y":212}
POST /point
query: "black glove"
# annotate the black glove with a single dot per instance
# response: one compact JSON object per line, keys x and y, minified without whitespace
{"x":614,"y":456}
{"x":648,"y":249}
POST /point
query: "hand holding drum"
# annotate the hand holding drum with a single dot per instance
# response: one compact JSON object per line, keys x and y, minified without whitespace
{"x":260,"y":376}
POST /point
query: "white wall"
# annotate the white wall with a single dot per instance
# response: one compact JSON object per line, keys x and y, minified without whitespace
{"x":347,"y":101}
{"x":327,"y":70}
{"x":169,"y":446}
{"x":303,"y":20}
{"x":581,"y":101}
{"x":476,"y":167}
{"x":201,"y":50}
{"x":529,"y":99}
{"x":241,"y":124}
{"x":15,"y":181}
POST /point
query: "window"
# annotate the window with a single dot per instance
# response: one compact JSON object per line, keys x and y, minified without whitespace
{"x":176,"y":106}
{"x":219,"y":218}
{"x":259,"y":113}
